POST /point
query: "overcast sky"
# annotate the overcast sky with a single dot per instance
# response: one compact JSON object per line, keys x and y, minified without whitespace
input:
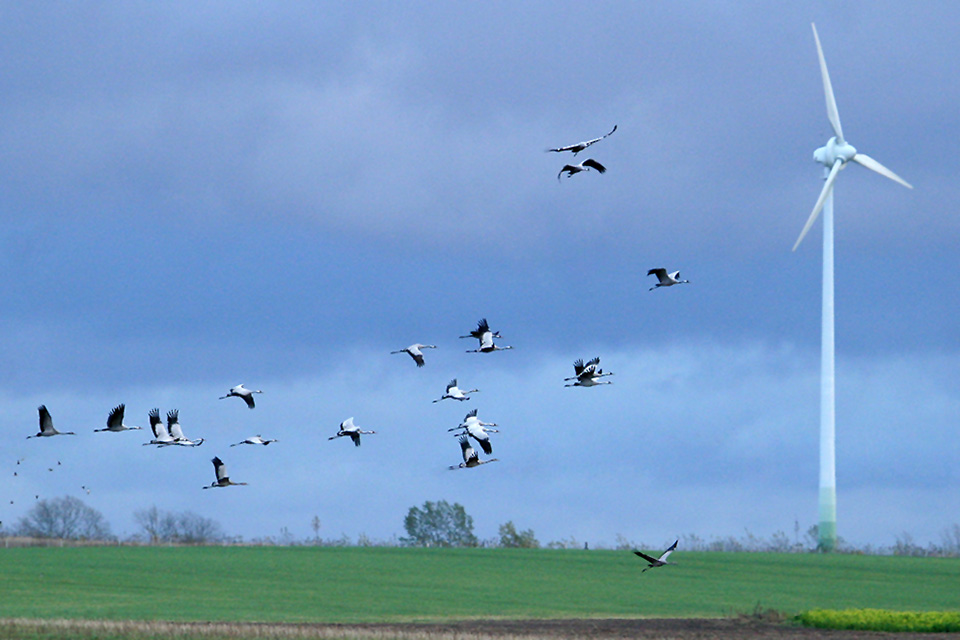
{"x":195,"y":195}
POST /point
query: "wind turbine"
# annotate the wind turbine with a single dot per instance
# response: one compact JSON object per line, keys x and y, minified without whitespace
{"x":833,"y":156}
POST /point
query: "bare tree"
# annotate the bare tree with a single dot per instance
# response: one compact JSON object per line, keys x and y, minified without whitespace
{"x":66,"y":518}
{"x":184,"y":527}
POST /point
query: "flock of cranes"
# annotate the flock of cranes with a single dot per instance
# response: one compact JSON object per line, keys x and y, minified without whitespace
{"x":586,"y":374}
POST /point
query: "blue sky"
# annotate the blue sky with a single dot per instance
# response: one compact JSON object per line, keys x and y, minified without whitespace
{"x":198,"y":195}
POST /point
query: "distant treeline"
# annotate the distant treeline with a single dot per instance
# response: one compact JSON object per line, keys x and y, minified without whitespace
{"x":69,"y":522}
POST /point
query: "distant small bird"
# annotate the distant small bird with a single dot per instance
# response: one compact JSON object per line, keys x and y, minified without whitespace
{"x":254,"y":440}
{"x":455,"y":393}
{"x":415,"y":352}
{"x":580,"y":146}
{"x":161,"y":437}
{"x":470,"y":456}
{"x":115,"y":420}
{"x":85,"y":488}
{"x":46,"y":425}
{"x":240,"y":391}
{"x":587,"y":375}
{"x":223,"y":480}
{"x":347,"y":428}
{"x":176,"y":432}
{"x":657,"y":562}
{"x":666,"y":279}
{"x":586,"y":165}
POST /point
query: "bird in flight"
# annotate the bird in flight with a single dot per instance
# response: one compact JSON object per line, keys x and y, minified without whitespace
{"x":485,"y":336}
{"x":347,"y":428}
{"x":115,"y":420}
{"x":254,"y":440}
{"x":176,"y":432}
{"x":240,"y":391}
{"x":587,"y":375}
{"x":46,"y":425}
{"x":657,"y":562}
{"x":223,"y":480}
{"x":415,"y":352}
{"x":470,"y":456}
{"x":580,"y":146}
{"x":477,"y":429}
{"x":161,"y":437}
{"x":586,"y":165}
{"x":666,"y":279}
{"x":482,"y":331}
{"x":456,"y":393}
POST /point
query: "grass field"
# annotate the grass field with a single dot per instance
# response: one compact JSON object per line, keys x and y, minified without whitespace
{"x":349,"y":585}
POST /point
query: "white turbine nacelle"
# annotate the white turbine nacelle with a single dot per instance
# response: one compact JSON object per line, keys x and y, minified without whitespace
{"x":837,"y":153}
{"x":833,"y":151}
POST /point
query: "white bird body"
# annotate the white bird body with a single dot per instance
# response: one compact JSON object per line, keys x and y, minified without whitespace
{"x":176,"y":432}
{"x":223,"y":480}
{"x":115,"y":421}
{"x":470,"y":456}
{"x":254,"y":440}
{"x":477,"y":429}
{"x":454,"y":392}
{"x":666,"y":279}
{"x":347,"y":428}
{"x":481,"y":434}
{"x":586,"y":165}
{"x":485,"y":336}
{"x":240,"y":391}
{"x":580,"y":146}
{"x":415,"y":352}
{"x":657,"y":562}
{"x":46,"y":425}
{"x":161,"y":437}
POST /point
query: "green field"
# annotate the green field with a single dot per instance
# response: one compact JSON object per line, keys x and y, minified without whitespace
{"x":326,"y":584}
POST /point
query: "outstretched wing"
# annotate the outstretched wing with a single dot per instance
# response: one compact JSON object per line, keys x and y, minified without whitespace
{"x":468,"y":451}
{"x":593,"y":164}
{"x":649,"y":559}
{"x":578,"y":367}
{"x":156,"y":424}
{"x":115,"y":419}
{"x":46,"y":422}
{"x":660,"y":273}
{"x":667,"y":553}
{"x":220,"y":469}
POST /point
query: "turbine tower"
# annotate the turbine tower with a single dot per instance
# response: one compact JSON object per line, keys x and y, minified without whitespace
{"x":833,"y":156}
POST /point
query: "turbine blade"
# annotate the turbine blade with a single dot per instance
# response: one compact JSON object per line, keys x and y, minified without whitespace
{"x":868,"y":162}
{"x":832,"y":113}
{"x":827,"y":186}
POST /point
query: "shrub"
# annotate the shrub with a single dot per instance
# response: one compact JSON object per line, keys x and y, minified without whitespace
{"x":882,"y":620}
